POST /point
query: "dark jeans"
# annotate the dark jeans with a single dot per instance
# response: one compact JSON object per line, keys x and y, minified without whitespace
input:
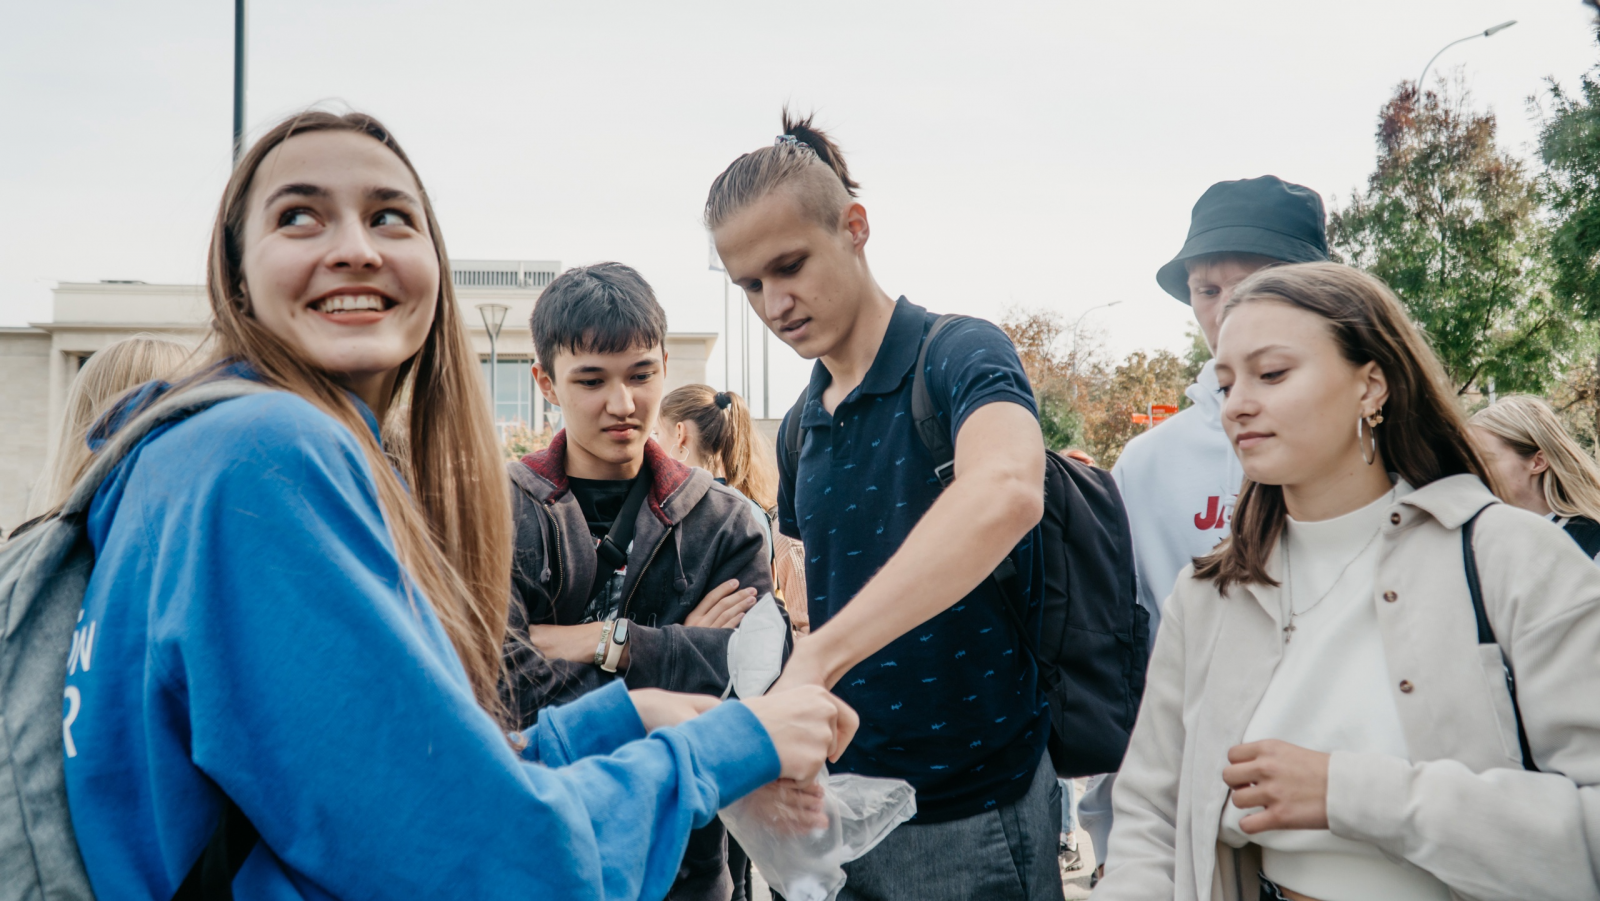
{"x":1005,"y":853}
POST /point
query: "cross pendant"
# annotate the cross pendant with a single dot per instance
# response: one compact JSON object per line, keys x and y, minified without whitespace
{"x":1287,"y":633}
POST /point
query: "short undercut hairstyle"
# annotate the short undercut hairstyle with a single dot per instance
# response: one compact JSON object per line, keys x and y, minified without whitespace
{"x":606,"y":308}
{"x":811,"y":165}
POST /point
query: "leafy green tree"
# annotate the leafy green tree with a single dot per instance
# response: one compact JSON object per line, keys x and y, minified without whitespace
{"x":1454,"y":225}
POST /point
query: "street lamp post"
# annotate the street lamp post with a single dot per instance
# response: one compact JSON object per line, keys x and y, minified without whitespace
{"x":494,"y":316}
{"x":715,"y":265}
{"x":238,"y":78}
{"x":1486,"y":33}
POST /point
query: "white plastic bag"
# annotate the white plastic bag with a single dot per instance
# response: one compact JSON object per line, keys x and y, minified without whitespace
{"x":809,"y":865}
{"x":804,"y":864}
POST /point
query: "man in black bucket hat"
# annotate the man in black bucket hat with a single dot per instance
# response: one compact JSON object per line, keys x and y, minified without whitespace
{"x":1179,"y":481}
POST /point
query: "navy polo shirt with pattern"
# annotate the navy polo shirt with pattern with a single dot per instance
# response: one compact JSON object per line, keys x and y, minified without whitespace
{"x":953,"y":706}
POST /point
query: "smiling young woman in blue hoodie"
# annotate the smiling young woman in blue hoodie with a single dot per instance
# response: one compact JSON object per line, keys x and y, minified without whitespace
{"x":293,"y":613}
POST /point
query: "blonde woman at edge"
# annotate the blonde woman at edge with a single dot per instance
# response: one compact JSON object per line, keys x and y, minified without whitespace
{"x":712,"y":430}
{"x":112,"y":370}
{"x":1540,"y":468}
{"x":1320,"y":721}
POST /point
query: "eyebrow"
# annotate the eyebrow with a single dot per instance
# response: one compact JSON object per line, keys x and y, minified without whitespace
{"x":784,"y":259}
{"x":386,"y":195}
{"x":1262,"y":350}
{"x":297,"y":189}
{"x":590,"y":370}
{"x":302,"y":189}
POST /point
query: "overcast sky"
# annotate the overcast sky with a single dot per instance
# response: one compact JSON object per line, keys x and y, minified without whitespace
{"x":1012,"y":154}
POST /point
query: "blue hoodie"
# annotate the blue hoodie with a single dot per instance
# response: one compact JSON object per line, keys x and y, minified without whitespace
{"x":248,"y":629}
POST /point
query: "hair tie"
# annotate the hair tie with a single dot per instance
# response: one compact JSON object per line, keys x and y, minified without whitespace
{"x":723,"y":401}
{"x":791,"y":140}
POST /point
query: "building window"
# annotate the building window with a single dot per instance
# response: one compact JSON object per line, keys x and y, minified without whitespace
{"x":513,"y":390}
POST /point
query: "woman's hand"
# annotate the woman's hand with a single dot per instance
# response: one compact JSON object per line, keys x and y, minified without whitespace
{"x":1291,"y":782}
{"x":807,"y":724}
{"x":723,"y":608}
{"x":659,"y":709}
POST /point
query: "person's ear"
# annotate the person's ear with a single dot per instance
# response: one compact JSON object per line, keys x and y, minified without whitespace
{"x":546,"y":386}
{"x":1538,"y":464}
{"x":1376,"y":392}
{"x":680,"y":436}
{"x":854,"y":220}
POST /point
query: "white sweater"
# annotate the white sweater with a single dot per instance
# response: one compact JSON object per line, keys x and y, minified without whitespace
{"x":1330,"y":693}
{"x":1179,"y":481}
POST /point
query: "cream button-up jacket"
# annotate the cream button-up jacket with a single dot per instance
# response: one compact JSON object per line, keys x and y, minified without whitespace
{"x":1462,"y":807}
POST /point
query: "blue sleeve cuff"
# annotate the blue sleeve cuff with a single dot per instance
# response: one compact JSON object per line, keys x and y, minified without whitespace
{"x":597,"y":723}
{"x":732,"y":750}
{"x":997,"y":394}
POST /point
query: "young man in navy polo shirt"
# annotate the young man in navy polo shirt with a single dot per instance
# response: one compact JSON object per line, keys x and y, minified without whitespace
{"x":907,"y":625}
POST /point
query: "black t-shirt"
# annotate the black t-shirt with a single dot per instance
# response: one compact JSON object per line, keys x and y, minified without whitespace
{"x":601,"y":501}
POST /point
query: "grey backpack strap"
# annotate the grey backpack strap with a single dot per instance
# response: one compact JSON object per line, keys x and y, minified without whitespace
{"x":184,"y":403}
{"x":935,"y":435}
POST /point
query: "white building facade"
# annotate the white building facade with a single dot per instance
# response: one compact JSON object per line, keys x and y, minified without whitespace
{"x":37,"y":363}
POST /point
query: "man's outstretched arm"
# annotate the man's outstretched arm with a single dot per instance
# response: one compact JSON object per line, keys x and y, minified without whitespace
{"x":996,"y":498}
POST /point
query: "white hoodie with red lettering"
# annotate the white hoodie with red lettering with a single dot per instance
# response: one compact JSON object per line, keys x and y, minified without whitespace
{"x":1179,"y":481}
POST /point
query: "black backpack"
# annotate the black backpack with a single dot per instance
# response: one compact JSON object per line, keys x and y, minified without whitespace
{"x":1093,"y":643}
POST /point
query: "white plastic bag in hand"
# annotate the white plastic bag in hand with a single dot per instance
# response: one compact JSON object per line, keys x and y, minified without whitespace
{"x":755,"y":650}
{"x":800,"y":862}
{"x":808,"y":865}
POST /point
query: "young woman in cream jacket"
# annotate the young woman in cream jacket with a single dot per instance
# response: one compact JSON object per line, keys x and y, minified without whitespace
{"x":1321,"y":721}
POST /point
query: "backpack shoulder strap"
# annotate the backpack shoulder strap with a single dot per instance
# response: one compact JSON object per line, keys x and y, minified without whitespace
{"x":181,"y":405}
{"x":613,"y":549}
{"x":925,"y":414}
{"x":790,"y":433}
{"x":1486,"y":631}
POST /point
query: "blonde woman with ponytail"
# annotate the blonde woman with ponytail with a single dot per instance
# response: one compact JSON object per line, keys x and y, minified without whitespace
{"x":292,"y":633}
{"x":713,"y":430}
{"x":1539,"y":467}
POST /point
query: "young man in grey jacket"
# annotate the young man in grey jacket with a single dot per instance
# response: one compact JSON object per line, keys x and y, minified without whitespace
{"x":655,"y":609}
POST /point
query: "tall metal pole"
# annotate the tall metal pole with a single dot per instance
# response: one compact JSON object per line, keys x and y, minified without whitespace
{"x":766,"y":374}
{"x":238,"y":78}
{"x":727,"y":346}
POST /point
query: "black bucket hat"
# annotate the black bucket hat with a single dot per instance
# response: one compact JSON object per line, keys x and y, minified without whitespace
{"x":1266,"y":216}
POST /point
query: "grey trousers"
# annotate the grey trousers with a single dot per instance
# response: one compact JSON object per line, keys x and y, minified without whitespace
{"x":1005,"y":853}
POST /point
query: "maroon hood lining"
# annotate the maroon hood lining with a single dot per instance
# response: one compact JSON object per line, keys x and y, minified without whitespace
{"x":666,"y":474}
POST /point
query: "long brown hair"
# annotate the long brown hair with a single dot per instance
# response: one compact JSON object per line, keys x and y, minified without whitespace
{"x":1423,"y":436}
{"x":726,"y":434}
{"x":452,"y":529}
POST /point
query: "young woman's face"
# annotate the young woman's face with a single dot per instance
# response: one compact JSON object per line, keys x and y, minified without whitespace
{"x":338,"y":262}
{"x":803,"y":280}
{"x":1520,"y":478}
{"x":1292,"y":398}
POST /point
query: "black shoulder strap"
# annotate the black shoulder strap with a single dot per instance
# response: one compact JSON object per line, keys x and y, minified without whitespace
{"x":1486,"y":633}
{"x":925,"y":415}
{"x":1586,"y":532}
{"x":791,"y":430}
{"x":211,"y":877}
{"x":613,"y":548}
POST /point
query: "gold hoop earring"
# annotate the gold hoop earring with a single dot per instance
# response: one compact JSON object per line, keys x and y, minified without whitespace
{"x":1371,"y":423}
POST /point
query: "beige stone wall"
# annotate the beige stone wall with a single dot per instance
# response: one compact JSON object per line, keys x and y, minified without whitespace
{"x":24,"y":417}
